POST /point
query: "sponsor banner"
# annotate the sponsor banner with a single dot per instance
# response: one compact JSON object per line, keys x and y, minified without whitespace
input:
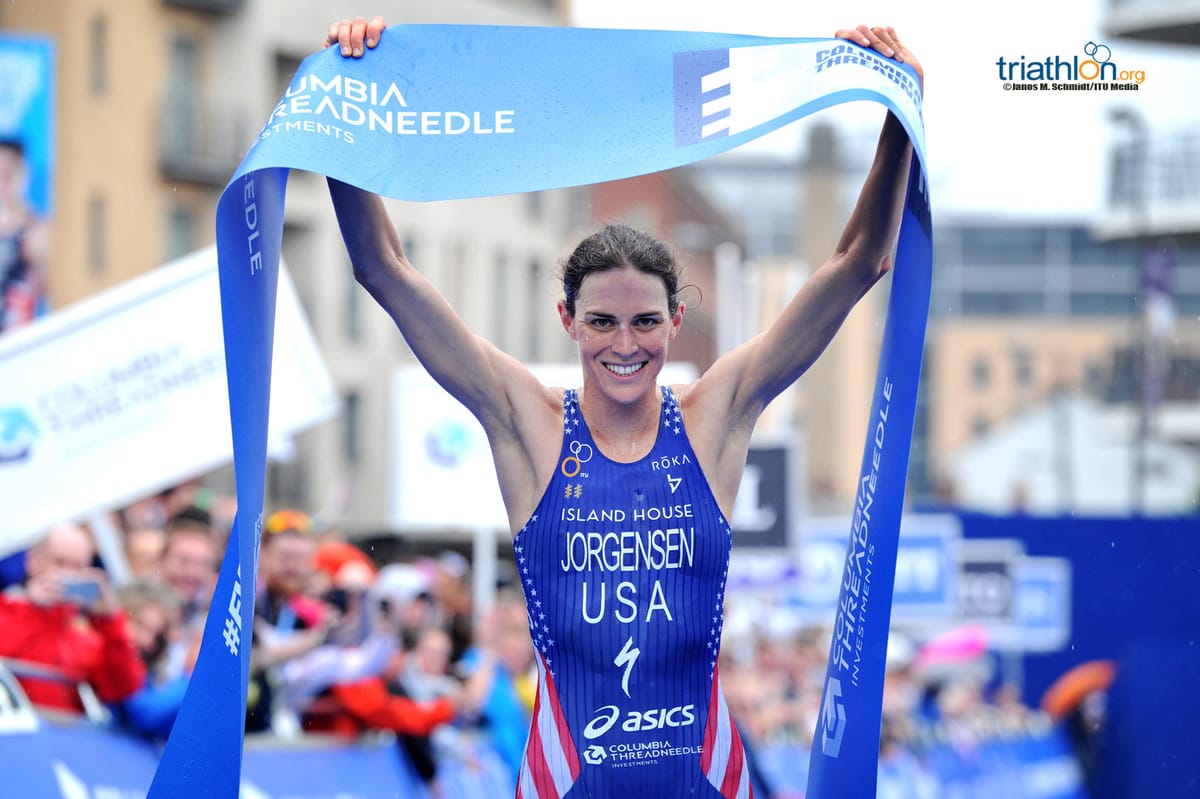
{"x":770,"y":499}
{"x":118,"y":396}
{"x":1041,"y":607}
{"x":78,"y":760}
{"x":806,"y":580}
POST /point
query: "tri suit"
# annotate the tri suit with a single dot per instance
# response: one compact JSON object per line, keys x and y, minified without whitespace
{"x":624,"y":568}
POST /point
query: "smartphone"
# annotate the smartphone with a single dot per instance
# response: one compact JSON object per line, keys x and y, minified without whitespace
{"x":338,"y":598}
{"x":81,"y":592}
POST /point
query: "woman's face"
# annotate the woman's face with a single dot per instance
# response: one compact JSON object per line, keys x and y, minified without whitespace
{"x":623,"y":327}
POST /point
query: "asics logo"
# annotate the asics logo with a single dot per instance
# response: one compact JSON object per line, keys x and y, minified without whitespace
{"x":655,"y":718}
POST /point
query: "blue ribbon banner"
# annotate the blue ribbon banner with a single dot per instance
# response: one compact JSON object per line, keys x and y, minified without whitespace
{"x":442,"y":112}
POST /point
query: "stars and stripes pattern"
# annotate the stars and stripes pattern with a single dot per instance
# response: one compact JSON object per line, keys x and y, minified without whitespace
{"x":723,"y":760}
{"x":551,"y":764}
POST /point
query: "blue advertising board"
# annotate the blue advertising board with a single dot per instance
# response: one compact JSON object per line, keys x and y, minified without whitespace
{"x":26,"y":174}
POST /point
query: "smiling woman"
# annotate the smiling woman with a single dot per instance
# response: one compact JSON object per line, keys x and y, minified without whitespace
{"x":619,"y":492}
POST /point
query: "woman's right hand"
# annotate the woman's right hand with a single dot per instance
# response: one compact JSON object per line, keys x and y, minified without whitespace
{"x":354,"y":36}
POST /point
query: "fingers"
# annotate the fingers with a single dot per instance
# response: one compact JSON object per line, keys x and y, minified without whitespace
{"x":358,"y":35}
{"x":375,"y":31}
{"x":879,"y":38}
{"x":354,"y":36}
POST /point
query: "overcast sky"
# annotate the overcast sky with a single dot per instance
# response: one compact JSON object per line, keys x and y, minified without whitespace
{"x":1011,"y":153}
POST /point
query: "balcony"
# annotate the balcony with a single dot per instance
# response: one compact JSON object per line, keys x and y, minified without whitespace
{"x":1154,"y":189}
{"x":199,"y":141}
{"x":207,"y":6}
{"x":1155,"y":21}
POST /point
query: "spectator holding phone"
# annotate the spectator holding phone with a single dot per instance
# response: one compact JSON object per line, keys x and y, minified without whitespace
{"x":66,"y":617}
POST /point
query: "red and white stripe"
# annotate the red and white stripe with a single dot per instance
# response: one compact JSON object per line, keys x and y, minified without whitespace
{"x":723,"y":760}
{"x":551,"y":764}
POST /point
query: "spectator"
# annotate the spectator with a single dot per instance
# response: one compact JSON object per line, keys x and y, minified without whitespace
{"x":503,"y":660}
{"x":358,"y":643}
{"x":144,"y":547}
{"x":153,"y":613}
{"x":189,"y":561}
{"x":453,"y":591}
{"x":381,"y":703}
{"x":406,"y":590}
{"x":288,"y":623}
{"x":67,"y":617}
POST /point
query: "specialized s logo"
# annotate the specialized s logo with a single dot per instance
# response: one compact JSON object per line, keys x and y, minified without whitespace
{"x":627,"y":657}
{"x":833,"y":718}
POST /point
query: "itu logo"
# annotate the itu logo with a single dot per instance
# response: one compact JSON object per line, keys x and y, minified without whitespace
{"x":1096,"y":69}
{"x":833,"y":719}
{"x":572,"y":464}
{"x":17,"y":434}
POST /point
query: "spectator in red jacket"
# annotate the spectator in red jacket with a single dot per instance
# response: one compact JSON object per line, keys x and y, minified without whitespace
{"x":66,"y":617}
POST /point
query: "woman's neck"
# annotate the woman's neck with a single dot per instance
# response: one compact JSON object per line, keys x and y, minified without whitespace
{"x":624,"y":432}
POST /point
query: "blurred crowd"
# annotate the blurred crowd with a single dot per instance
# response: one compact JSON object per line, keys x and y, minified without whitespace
{"x":345,"y":645}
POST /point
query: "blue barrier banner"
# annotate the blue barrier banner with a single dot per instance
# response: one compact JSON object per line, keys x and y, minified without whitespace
{"x":80,"y":760}
{"x":441,"y":112}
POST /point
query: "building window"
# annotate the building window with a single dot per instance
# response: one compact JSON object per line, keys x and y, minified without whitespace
{"x":412,"y":250}
{"x":454,"y":274}
{"x":181,"y":83}
{"x":1022,"y":367}
{"x":286,"y":66}
{"x":98,"y":55}
{"x":1094,"y":378}
{"x":980,"y":425}
{"x":534,"y":205}
{"x":354,"y":307}
{"x":981,"y":371}
{"x":533,"y":312}
{"x":181,"y":233}
{"x":97,"y":234}
{"x":500,"y":309}
{"x":351,"y":427}
{"x":1004,"y":246}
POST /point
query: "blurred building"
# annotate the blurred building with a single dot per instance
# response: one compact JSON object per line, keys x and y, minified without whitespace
{"x":1065,"y":356}
{"x":157,"y":102}
{"x":1027,"y":313}
{"x":791,"y":211}
{"x":1023,"y":313}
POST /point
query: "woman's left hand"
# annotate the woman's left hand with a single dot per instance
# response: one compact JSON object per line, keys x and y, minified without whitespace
{"x":884,"y":41}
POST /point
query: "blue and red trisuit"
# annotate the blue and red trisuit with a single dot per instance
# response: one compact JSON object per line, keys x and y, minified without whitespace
{"x":624,"y":568}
